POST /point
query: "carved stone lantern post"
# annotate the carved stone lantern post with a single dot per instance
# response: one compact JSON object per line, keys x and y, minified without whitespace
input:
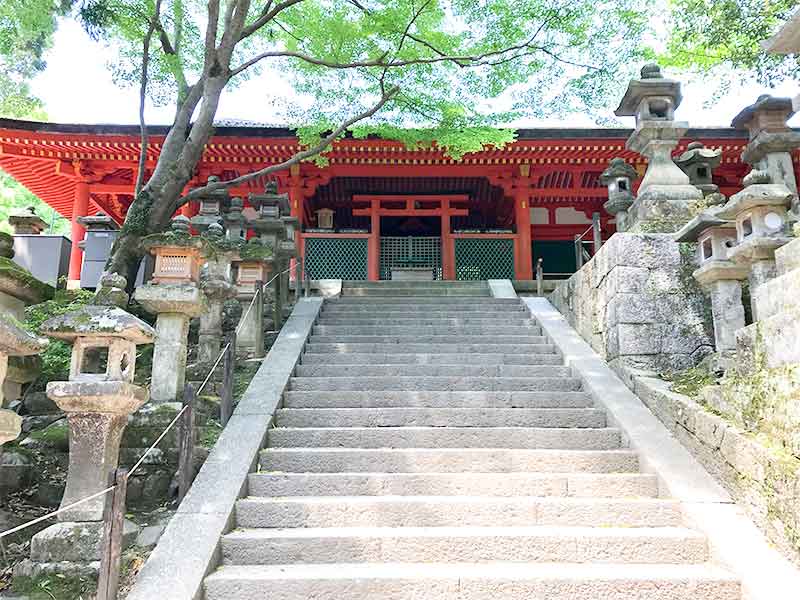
{"x":699,"y":162}
{"x":771,"y":140}
{"x":216,"y":282}
{"x":211,"y":205}
{"x":255,"y":267}
{"x":26,"y":222}
{"x":762,"y":226}
{"x":173,"y":294}
{"x":665,"y":194}
{"x":18,"y":289}
{"x":619,"y":177}
{"x":718,"y":274}
{"x":98,"y":398}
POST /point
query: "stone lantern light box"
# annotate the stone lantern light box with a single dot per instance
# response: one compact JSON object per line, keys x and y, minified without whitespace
{"x":178,"y":254}
{"x":760,"y":210}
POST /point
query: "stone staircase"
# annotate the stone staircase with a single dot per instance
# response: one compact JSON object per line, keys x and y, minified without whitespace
{"x":432,"y":446}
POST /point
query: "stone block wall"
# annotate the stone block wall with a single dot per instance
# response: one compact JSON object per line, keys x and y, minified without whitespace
{"x":638,"y":306}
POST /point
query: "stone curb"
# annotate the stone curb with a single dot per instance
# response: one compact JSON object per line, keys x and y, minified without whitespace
{"x":734,"y":540}
{"x":189,"y":548}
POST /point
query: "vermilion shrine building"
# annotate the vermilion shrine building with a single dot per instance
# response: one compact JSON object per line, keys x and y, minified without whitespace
{"x":489,"y":215}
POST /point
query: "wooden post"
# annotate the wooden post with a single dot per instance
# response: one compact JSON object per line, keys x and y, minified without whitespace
{"x":578,"y":252}
{"x":298,"y":278}
{"x":111,"y":545}
{"x":186,"y":441}
{"x":522,"y":219}
{"x":374,"y":244}
{"x":226,"y":398}
{"x":597,"y":231}
{"x":277,"y":308}
{"x":306,"y":281}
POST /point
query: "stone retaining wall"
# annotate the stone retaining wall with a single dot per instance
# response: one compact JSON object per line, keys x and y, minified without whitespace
{"x":638,"y":306}
{"x":763,"y":480}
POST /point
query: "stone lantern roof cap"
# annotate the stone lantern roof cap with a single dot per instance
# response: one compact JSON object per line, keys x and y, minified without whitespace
{"x":759,"y":192}
{"x":696,"y":152}
{"x":27,"y":215}
{"x":15,"y":341}
{"x":651,"y":83}
{"x":618,"y":168}
{"x":99,"y":221}
{"x":694,"y":228}
{"x":99,"y":321}
{"x":764,"y":102}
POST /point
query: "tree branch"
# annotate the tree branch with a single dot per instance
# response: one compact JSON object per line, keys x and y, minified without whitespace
{"x":300,"y":156}
{"x":270,"y":11}
{"x":143,"y":98}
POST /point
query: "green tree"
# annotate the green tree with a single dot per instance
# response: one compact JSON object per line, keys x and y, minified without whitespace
{"x":417,"y":71}
{"x":14,"y":196}
{"x":706,"y":34}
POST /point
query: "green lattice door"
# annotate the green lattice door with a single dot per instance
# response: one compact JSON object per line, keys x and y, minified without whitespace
{"x":416,"y":252}
{"x":337,"y":258}
{"x":478,"y":259}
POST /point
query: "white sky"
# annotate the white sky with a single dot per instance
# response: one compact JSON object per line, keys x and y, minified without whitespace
{"x":77,"y":88}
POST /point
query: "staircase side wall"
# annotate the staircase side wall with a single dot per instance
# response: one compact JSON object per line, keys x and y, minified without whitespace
{"x":638,"y":306}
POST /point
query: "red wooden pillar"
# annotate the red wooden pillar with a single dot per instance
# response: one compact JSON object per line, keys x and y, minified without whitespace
{"x":448,"y":249}
{"x":297,"y":207}
{"x":80,"y":208}
{"x":523,"y":260}
{"x":374,"y":249}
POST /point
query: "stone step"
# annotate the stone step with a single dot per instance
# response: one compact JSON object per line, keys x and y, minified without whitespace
{"x":394,"y":283}
{"x":450,"y":322}
{"x":455,"y":511}
{"x":429,"y":348}
{"x":445,"y":437}
{"x":416,"y":292}
{"x":401,"y":330}
{"x":427,"y":338}
{"x":420,"y":301}
{"x":468,"y":370}
{"x":673,"y":545}
{"x":354,"y":358}
{"x":446,"y":460}
{"x":441,"y":417}
{"x":612,"y":485}
{"x":464,"y":581}
{"x":433,"y":384}
{"x":409,"y":310}
{"x":383,"y":399}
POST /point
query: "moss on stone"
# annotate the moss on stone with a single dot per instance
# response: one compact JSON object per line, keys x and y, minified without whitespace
{"x":691,"y":381}
{"x":256,"y":251}
{"x":11,"y":270}
{"x":55,"y":587}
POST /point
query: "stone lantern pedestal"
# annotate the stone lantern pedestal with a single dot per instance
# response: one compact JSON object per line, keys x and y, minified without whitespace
{"x":665,"y":196}
{"x":172,"y":294}
{"x":762,"y":225}
{"x":98,"y":399}
{"x":719,"y":275}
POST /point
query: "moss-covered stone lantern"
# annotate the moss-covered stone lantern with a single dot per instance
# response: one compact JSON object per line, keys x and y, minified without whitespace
{"x":175,"y":300}
{"x":255,"y":267}
{"x":26,"y":222}
{"x":666,"y":193}
{"x":619,"y":177}
{"x":762,"y":226}
{"x":210,"y":207}
{"x":718,"y":274}
{"x":178,"y":254}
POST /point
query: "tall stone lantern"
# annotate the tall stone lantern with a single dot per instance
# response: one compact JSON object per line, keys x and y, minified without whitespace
{"x":18,"y":289}
{"x":762,"y":226}
{"x":216,"y":282}
{"x":664,"y":199}
{"x":718,"y":274}
{"x":211,"y":205}
{"x":771,"y":140}
{"x":98,"y":398}
{"x":619,"y":177}
{"x":699,"y":162}
{"x":174,"y":295}
{"x":235,"y":223}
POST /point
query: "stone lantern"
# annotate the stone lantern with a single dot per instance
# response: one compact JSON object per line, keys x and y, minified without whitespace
{"x":175,"y":299}
{"x":18,"y":289}
{"x":699,"y":162}
{"x":619,"y":177}
{"x":26,"y":222}
{"x":234,"y":220}
{"x":762,"y":226}
{"x":665,"y":194}
{"x":211,"y":205}
{"x":98,"y":398}
{"x":718,"y":274}
{"x":216,"y":282}
{"x":255,"y":267}
{"x":771,"y":139}
{"x":178,"y":254}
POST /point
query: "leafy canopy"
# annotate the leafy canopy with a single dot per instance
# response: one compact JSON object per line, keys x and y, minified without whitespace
{"x":705,"y":34}
{"x":462,"y":68}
